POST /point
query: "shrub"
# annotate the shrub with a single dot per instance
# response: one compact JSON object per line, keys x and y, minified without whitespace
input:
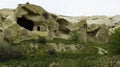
{"x":40,"y":64}
{"x":52,"y":51}
{"x":8,"y":51}
{"x":42,"y":40}
{"x":115,"y":41}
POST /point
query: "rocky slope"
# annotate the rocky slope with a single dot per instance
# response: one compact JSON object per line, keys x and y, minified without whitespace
{"x":29,"y":21}
{"x":45,"y":39}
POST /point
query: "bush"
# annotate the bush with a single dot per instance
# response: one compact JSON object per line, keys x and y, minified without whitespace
{"x":52,"y":51}
{"x":42,"y":40}
{"x":40,"y":64}
{"x":8,"y":51}
{"x":115,"y":41}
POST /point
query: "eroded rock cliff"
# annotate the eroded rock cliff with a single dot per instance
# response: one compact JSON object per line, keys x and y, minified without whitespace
{"x":29,"y":21}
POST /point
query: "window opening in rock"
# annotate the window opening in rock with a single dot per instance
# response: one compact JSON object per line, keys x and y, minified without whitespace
{"x":38,"y":28}
{"x":28,"y":24}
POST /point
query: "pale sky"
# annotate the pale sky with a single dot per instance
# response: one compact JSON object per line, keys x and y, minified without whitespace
{"x":71,"y":7}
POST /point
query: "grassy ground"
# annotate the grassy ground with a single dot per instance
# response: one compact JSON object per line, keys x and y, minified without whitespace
{"x":41,"y":57}
{"x":66,"y":60}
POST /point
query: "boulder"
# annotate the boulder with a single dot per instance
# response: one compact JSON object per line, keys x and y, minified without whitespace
{"x":98,"y":33}
{"x":101,"y":51}
{"x":16,"y":34}
{"x":102,"y":36}
{"x":60,"y":47}
{"x":92,"y":29}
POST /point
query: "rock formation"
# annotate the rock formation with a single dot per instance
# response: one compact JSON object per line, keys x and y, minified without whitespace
{"x":29,"y":21}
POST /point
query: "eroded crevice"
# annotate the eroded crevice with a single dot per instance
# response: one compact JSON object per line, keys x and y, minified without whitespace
{"x":28,"y":24}
{"x":93,"y":33}
{"x":45,"y":15}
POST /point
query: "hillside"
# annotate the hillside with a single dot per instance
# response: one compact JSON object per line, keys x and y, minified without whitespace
{"x":30,"y":35}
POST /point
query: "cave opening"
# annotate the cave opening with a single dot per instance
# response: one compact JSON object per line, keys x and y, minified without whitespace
{"x":28,"y":24}
{"x":38,"y":28}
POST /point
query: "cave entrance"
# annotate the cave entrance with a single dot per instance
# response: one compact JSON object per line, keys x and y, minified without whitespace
{"x":38,"y":28}
{"x":28,"y":24}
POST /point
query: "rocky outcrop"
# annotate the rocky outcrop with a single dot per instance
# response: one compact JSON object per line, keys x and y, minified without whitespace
{"x":60,"y":47}
{"x":99,"y":28}
{"x":29,"y":21}
{"x":102,"y":51}
{"x":98,"y":33}
{"x":79,"y":31}
{"x":102,"y":35}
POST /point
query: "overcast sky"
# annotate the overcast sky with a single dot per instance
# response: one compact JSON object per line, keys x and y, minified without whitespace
{"x":71,"y":7}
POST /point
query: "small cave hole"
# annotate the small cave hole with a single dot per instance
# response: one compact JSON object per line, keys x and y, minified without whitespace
{"x":38,"y":28}
{"x":28,"y":24}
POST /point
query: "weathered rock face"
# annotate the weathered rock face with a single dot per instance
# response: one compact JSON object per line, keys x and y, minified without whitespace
{"x":102,"y":35}
{"x":66,"y":48}
{"x":29,"y":21}
{"x":63,"y":28}
{"x":38,"y":20}
{"x":98,"y":33}
{"x":30,"y":16}
{"x":99,"y":28}
{"x":16,"y":34}
{"x":7,"y":19}
{"x":79,"y":31}
{"x":26,"y":22}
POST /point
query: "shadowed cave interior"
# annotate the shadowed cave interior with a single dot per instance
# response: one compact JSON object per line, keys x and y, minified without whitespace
{"x":28,"y":24}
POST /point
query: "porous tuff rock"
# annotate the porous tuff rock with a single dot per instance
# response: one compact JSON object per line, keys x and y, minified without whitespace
{"x":29,"y":21}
